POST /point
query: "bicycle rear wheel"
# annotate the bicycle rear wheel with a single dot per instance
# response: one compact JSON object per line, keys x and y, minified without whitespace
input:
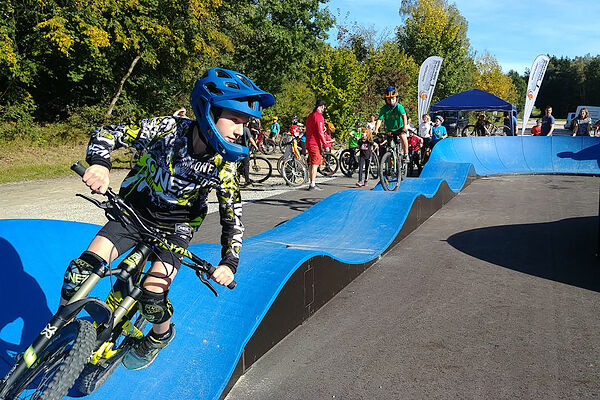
{"x":329,"y":166}
{"x":469,"y":130}
{"x":294,"y":172}
{"x":57,"y":366}
{"x":346,"y":163}
{"x":389,"y":172}
{"x":260,"y":169}
{"x":268,"y":146}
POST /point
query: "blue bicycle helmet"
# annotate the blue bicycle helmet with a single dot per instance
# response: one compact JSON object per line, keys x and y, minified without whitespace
{"x":223,"y":88}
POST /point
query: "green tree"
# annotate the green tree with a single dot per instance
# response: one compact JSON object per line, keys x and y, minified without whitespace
{"x":520,"y":84}
{"x":489,"y":78}
{"x":389,"y":65}
{"x":338,"y":78}
{"x":436,"y":28}
{"x":275,"y":40}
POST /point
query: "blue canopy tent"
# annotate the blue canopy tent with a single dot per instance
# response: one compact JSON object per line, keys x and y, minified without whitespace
{"x":474,"y":100}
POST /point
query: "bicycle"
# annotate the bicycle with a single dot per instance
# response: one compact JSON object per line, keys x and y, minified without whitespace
{"x":349,"y":164}
{"x":489,"y":129}
{"x":392,"y":168}
{"x":69,"y":348}
{"x":265,"y":144}
{"x":260,"y":168}
{"x":291,"y":165}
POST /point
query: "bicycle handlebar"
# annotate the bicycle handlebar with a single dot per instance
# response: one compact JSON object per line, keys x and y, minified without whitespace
{"x":119,"y":210}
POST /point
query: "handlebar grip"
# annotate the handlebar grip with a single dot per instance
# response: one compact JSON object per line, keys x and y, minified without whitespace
{"x":211,"y":271}
{"x":78,"y":168}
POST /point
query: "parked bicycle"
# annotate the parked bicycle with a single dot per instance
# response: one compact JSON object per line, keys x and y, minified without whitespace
{"x":486,"y":128}
{"x":69,"y":348}
{"x":265,"y":144}
{"x":292,"y":166}
{"x":259,"y":168}
{"x":349,"y":164}
{"x":392,"y":169}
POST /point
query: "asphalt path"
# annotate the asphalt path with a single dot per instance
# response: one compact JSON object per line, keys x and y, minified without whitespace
{"x":494,"y":297}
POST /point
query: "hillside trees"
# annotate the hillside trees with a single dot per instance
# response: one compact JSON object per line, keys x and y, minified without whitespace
{"x":435,"y":27}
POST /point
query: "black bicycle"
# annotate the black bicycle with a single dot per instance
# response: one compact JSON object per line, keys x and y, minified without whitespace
{"x":260,"y":168}
{"x":349,"y":164}
{"x":70,"y":348}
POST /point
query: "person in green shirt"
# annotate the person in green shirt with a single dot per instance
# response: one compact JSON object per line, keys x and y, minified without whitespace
{"x":353,"y":145}
{"x":393,"y":116}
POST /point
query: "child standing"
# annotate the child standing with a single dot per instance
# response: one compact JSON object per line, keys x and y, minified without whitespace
{"x":355,"y":135}
{"x":365,"y":146}
{"x":537,"y":129}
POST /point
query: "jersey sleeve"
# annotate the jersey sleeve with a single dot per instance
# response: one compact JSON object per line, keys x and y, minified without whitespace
{"x":230,"y":212}
{"x":107,"y":138}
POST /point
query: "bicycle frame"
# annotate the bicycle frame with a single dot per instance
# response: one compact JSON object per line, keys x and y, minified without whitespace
{"x":112,"y":316}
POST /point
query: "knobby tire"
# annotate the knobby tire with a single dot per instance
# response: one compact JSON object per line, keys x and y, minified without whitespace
{"x":94,"y":375}
{"x":58,"y":364}
{"x":389,"y":173}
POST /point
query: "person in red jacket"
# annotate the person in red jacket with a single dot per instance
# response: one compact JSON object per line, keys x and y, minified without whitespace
{"x":316,"y":141}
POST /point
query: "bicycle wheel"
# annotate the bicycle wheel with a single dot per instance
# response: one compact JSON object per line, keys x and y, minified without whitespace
{"x":469,"y":130}
{"x":268,"y":146}
{"x":294,"y":172}
{"x":260,"y":169}
{"x":280,"y":161}
{"x":58,"y":365}
{"x":329,"y":166}
{"x":503,"y":130}
{"x":374,"y":166}
{"x":94,"y":375}
{"x":389,"y":172}
{"x":346,"y":166}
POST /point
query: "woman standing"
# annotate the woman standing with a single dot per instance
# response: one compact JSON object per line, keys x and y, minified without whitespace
{"x":582,"y":124}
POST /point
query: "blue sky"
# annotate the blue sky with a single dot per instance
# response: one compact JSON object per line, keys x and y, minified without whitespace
{"x":514,"y":31}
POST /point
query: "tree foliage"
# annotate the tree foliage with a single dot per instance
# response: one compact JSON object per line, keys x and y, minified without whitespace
{"x":489,"y":78}
{"x":338,"y":78}
{"x":569,"y":83}
{"x":436,"y":28}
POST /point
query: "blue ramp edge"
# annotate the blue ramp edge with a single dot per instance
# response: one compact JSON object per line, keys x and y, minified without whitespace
{"x":353,"y":226}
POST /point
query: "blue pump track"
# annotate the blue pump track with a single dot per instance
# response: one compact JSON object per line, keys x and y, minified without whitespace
{"x":212,"y":333}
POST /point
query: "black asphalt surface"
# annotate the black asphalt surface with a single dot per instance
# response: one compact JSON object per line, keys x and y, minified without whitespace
{"x":494,"y":297}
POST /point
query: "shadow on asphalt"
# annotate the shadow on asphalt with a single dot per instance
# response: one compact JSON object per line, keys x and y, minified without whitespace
{"x":302,"y":204}
{"x":562,"y":251}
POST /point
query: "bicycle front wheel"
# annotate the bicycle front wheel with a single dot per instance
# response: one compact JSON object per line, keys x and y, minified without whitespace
{"x":260,"y":169}
{"x":294,"y":172}
{"x":57,"y":366}
{"x":389,"y":172}
{"x":329,"y":166}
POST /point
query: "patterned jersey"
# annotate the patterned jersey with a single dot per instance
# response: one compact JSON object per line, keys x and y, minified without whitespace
{"x":170,"y":183}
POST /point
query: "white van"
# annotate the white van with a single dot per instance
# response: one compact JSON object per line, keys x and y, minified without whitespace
{"x":594,"y":114}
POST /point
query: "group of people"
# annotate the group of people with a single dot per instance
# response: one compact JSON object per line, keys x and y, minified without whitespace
{"x":367,"y":141}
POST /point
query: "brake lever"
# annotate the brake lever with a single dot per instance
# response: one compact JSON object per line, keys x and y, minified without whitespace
{"x":203,"y":276}
{"x":100,"y":204}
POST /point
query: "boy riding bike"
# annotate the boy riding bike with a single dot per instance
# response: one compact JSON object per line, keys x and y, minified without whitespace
{"x":393,"y":116}
{"x":168,"y":187}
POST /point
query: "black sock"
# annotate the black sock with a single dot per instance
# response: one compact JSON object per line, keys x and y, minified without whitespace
{"x":162,"y":336}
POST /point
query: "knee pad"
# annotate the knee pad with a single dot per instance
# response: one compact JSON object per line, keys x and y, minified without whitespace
{"x":78,"y":271}
{"x":155,"y":307}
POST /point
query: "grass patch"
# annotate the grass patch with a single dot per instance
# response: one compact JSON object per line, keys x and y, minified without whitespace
{"x":43,"y":152}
